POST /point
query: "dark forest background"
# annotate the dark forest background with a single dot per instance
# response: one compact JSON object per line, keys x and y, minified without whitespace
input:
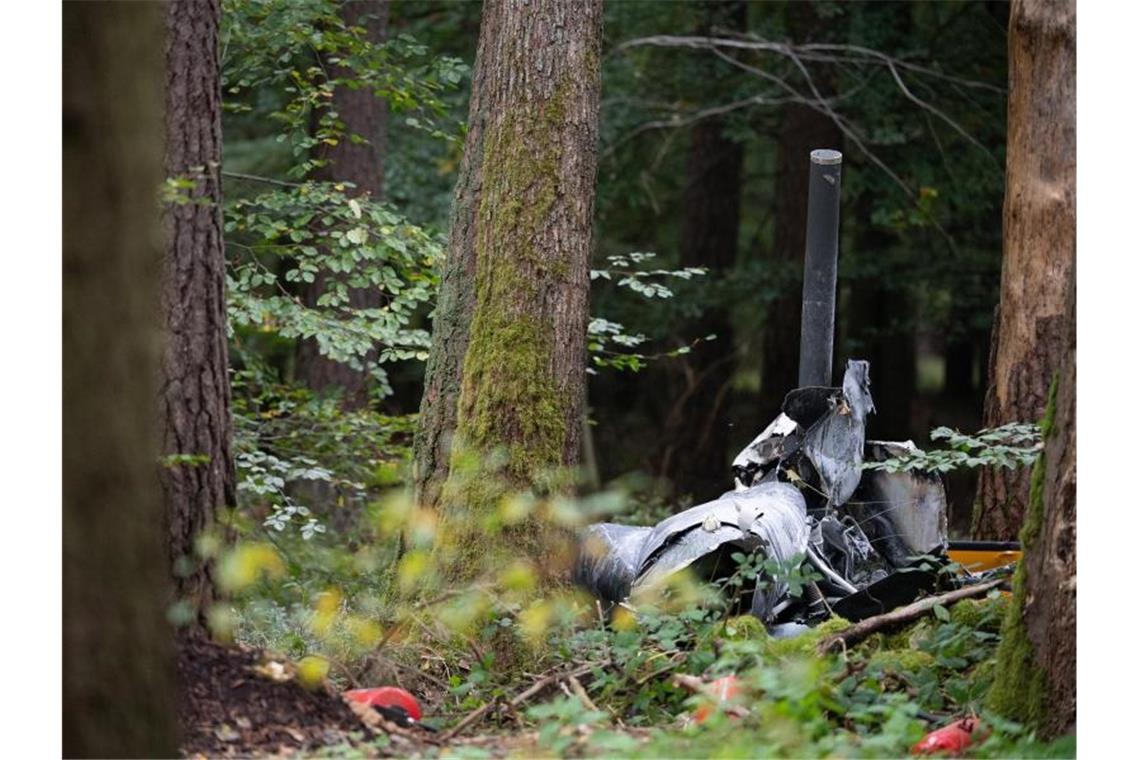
{"x":703,"y":162}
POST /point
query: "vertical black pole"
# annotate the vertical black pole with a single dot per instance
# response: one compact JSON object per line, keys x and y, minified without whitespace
{"x":817,"y":326}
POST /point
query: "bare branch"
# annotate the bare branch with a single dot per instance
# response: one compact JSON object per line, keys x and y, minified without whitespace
{"x":821,"y":52}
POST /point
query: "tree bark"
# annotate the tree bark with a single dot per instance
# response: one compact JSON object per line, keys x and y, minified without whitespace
{"x":802,"y":130}
{"x":508,"y":360}
{"x":362,"y":164}
{"x":117,"y":655}
{"x":1036,"y":678}
{"x":195,"y":393}
{"x":507,"y":364}
{"x":1039,"y":221}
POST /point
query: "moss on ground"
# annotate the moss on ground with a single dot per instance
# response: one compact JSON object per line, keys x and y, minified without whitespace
{"x":899,"y":661}
{"x":744,"y":627}
{"x":806,"y":643}
{"x":981,"y":614}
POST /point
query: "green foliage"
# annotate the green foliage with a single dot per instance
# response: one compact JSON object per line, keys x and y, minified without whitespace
{"x":626,"y":271}
{"x":282,"y":63}
{"x":285,"y":237}
{"x":487,"y":638}
{"x":335,"y":562}
{"x":1017,"y":444}
{"x":282,"y":60}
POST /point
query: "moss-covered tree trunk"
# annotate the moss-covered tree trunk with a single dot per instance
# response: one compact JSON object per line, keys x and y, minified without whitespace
{"x":508,"y":360}
{"x":362,"y":164}
{"x":198,"y":478}
{"x":1039,"y":235}
{"x":117,"y":665}
{"x":1036,"y":677}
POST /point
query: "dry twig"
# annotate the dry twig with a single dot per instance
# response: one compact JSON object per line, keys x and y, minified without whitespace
{"x":523,"y":696}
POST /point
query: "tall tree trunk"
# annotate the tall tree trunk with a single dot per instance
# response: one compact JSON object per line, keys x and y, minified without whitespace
{"x":1039,"y":221}
{"x":802,"y":130}
{"x":696,"y":455}
{"x":508,"y":360}
{"x":695,"y":435}
{"x":366,"y":115}
{"x":196,"y":387}
{"x":118,"y":675}
{"x":1036,"y":678}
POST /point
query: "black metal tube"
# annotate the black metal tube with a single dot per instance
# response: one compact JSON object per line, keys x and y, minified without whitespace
{"x":821,"y":257}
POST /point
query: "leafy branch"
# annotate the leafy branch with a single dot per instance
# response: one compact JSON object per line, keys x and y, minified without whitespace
{"x":1017,"y":444}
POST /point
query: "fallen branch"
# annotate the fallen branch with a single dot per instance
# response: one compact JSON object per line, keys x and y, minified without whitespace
{"x":580,"y":692}
{"x":911,"y":612}
{"x":523,"y":696}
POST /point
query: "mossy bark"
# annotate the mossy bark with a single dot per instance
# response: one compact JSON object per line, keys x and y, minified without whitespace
{"x":118,"y":675}
{"x":506,"y":378}
{"x":1036,"y":679}
{"x":1039,"y":256}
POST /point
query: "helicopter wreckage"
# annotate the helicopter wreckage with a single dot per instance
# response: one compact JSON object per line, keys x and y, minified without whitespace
{"x":874,"y":538}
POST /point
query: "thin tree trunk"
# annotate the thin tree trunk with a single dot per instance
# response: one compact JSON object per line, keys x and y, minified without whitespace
{"x":507,"y":371}
{"x":195,"y":392}
{"x":695,"y":435}
{"x":696,"y":427}
{"x":117,"y":655}
{"x":362,"y":164}
{"x":1036,"y":678}
{"x":1039,"y":220}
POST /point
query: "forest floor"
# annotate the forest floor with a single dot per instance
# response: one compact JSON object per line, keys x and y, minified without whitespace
{"x":237,"y":702}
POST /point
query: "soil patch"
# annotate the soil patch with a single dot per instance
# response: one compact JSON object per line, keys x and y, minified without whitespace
{"x":231,"y":705}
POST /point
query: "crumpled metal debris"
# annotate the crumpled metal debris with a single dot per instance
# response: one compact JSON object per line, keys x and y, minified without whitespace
{"x":801,"y":491}
{"x":617,"y":561}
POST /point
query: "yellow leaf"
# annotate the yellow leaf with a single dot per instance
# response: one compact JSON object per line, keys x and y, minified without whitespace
{"x":311,"y":671}
{"x":246,"y":563}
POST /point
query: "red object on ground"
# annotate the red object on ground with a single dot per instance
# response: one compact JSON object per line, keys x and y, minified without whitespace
{"x":721,"y":690}
{"x":387,"y":696}
{"x":953,"y":738}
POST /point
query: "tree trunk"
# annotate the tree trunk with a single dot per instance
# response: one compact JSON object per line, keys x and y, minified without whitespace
{"x":695,"y":436}
{"x":696,"y":428}
{"x":366,"y":115}
{"x":1036,"y":678}
{"x":508,"y":360}
{"x":880,"y":320}
{"x":1039,"y":221}
{"x":196,"y":387}
{"x":117,"y":666}
{"x":802,"y":130}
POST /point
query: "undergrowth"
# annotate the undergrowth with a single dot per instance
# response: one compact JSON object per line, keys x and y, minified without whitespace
{"x":331,"y":563}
